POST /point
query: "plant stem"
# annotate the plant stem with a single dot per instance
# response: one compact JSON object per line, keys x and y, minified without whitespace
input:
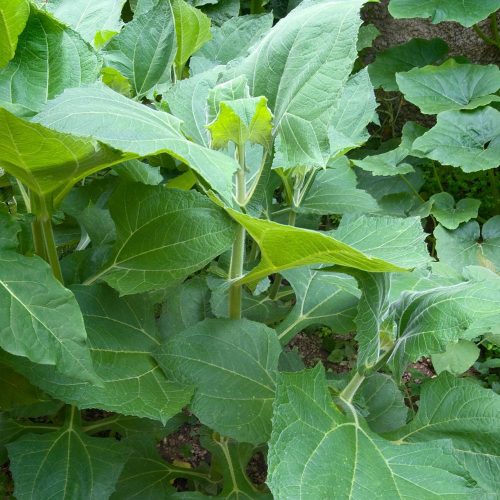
{"x":486,"y":38}
{"x":43,"y":233}
{"x":494,"y":27}
{"x":436,"y":175}
{"x":494,"y":187}
{"x":256,"y":7}
{"x":352,"y":387}
{"x":238,"y":251}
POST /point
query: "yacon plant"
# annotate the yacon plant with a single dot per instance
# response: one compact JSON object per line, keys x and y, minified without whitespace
{"x":186,"y":192}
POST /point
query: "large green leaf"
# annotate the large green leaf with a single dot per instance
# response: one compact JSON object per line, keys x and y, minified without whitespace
{"x":145,"y":49}
{"x":321,"y":299}
{"x":113,"y":119}
{"x":163,"y":235}
{"x":334,"y":191}
{"x":65,"y":465}
{"x":50,"y":57}
{"x":13,"y":17}
{"x":469,"y":415}
{"x":302,"y":66}
{"x":450,"y":215}
{"x":192,"y":28}
{"x":233,"y":366}
{"x":87,"y":17}
{"x":450,"y":86}
{"x":356,"y":243}
{"x":317,"y":451}
{"x":466,"y":139}
{"x":457,"y":358}
{"x":44,"y":322}
{"x":427,"y":321}
{"x":415,"y":53}
{"x":466,"y":12}
{"x":469,"y":245}
{"x":47,"y":161}
{"x":122,"y":335}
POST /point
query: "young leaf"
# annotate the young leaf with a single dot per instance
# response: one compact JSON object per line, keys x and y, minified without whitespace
{"x":321,"y":299}
{"x":47,"y":161}
{"x":192,"y":28}
{"x":233,"y":366}
{"x":466,"y":12}
{"x":98,"y":112}
{"x":65,"y":464}
{"x":13,"y":17}
{"x":87,"y":17}
{"x":144,"y":50}
{"x":415,"y":53}
{"x":366,"y":35}
{"x":451,"y":86}
{"x":466,"y":413}
{"x":138,"y":171}
{"x":469,"y":245}
{"x":311,"y":438}
{"x":163,"y":235}
{"x":450,"y":215}
{"x":44,"y":323}
{"x":457,"y":358}
{"x":466,"y":139}
{"x":50,"y":57}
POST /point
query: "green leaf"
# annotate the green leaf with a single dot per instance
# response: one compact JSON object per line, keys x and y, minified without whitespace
{"x":404,"y":57}
{"x":65,"y":465}
{"x":116,"y":81}
{"x":44,"y":323}
{"x":457,"y":358}
{"x":192,"y":28}
{"x":316,"y":449}
{"x":304,"y":78}
{"x":126,"y":125}
{"x":242,"y":120}
{"x":9,"y":230}
{"x":138,"y":171}
{"x":366,"y":36}
{"x":322,"y":299}
{"x":384,"y":402}
{"x":232,"y":364}
{"x":428,"y":321}
{"x":47,"y":161}
{"x":163,"y":235}
{"x":87,"y":17}
{"x":145,"y":49}
{"x":13,"y":17}
{"x":450,"y":215}
{"x":469,"y":245}
{"x":334,"y":191}
{"x":466,"y":413}
{"x":451,"y":86}
{"x":466,"y":12}
{"x":50,"y":57}
{"x":235,"y":37}
{"x":466,"y":139}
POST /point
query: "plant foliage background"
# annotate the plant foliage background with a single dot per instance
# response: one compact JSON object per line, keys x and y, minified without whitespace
{"x":194,"y":194}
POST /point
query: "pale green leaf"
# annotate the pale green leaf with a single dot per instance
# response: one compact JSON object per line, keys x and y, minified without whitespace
{"x":163,"y":235}
{"x":457,"y":358}
{"x":321,"y":299}
{"x":469,"y":245}
{"x":231,"y":90}
{"x":138,"y":171}
{"x":87,"y":17}
{"x":466,"y":139}
{"x":450,"y":86}
{"x":466,"y":12}
{"x":44,"y":322}
{"x":366,"y":35}
{"x":469,"y":415}
{"x":415,"y":53}
{"x":126,"y":125}
{"x":145,"y":48}
{"x":13,"y":17}
{"x":235,"y":37}
{"x":116,"y":81}
{"x":232,"y":364}
{"x":47,"y":161}
{"x":50,"y":57}
{"x":316,"y":451}
{"x":450,"y":215}
{"x":65,"y":465}
{"x":192,"y":28}
{"x":334,"y":191}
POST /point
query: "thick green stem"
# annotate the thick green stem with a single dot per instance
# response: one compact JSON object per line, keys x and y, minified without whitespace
{"x":238,"y":251}
{"x":352,"y":387}
{"x":43,"y":233}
